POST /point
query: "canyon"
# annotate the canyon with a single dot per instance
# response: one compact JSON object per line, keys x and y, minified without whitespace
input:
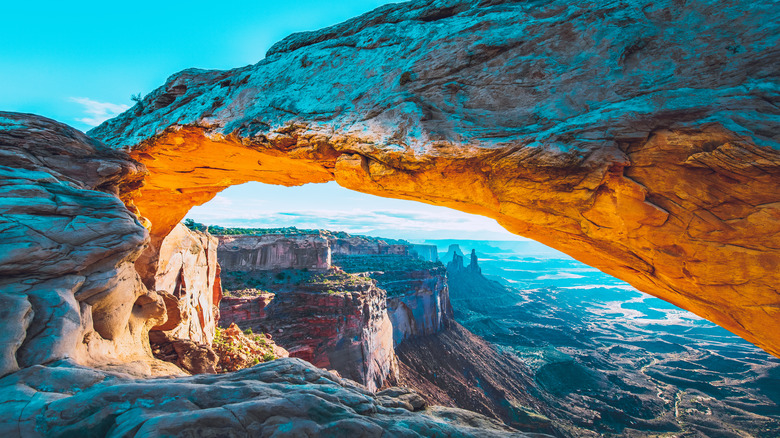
{"x":380,"y":316}
{"x":348,"y":316}
{"x":640,"y":138}
{"x":606,"y":360}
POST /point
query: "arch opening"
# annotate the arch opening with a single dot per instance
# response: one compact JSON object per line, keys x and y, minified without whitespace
{"x":578,"y":329}
{"x":628,"y":219}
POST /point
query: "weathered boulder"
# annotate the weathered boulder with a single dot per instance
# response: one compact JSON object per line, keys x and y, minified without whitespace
{"x":190,"y":356}
{"x":286,"y":397}
{"x":639,"y":137}
{"x":68,"y":286}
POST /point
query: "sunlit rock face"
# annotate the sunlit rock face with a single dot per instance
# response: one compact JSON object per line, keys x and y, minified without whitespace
{"x":67,"y":282}
{"x":187,"y":280}
{"x":426,"y":252}
{"x":187,"y":273}
{"x":347,"y":331}
{"x":638,"y":137}
{"x":358,"y":245}
{"x":249,"y":253}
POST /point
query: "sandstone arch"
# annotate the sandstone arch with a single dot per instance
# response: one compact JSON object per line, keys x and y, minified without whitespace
{"x":638,"y":138}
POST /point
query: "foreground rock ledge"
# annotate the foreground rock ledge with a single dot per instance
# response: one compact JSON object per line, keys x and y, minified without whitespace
{"x":285,"y":397}
{"x":639,"y":137}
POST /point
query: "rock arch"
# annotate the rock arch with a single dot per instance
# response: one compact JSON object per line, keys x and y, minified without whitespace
{"x":651,"y":155}
{"x":682,"y":250}
{"x":637,"y":138}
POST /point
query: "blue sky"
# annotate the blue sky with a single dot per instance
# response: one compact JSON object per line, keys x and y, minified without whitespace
{"x":56,"y":57}
{"x":79,"y":62}
{"x":332,"y":207}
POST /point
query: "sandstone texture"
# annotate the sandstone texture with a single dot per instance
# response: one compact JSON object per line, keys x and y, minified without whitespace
{"x":190,"y":356}
{"x":248,"y":311}
{"x":424,"y":310}
{"x":68,"y":285}
{"x":639,"y":137}
{"x":418,"y":301}
{"x":285,"y":397}
{"x":187,"y":279}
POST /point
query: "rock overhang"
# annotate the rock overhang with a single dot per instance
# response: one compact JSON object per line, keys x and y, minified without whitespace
{"x":640,"y":138}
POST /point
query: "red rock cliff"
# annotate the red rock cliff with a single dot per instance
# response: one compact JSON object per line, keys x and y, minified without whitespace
{"x":337,"y":322}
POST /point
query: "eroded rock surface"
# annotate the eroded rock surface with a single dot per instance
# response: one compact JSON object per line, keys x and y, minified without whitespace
{"x":639,"y":137}
{"x":187,"y":279}
{"x":67,"y":282}
{"x":246,"y":253}
{"x":418,"y":302}
{"x":458,"y":369}
{"x":285,"y":397}
{"x":334,"y":320}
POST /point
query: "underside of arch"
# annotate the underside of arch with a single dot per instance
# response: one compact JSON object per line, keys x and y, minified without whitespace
{"x":641,"y":137}
{"x":656,"y":219}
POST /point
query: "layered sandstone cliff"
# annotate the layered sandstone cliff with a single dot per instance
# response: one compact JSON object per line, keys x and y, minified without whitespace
{"x":187,"y":278}
{"x":273,"y":251}
{"x":425,"y":252}
{"x":638,"y":137}
{"x":311,"y":315}
{"x":423,"y":310}
{"x":417,"y":297}
{"x":334,"y":320}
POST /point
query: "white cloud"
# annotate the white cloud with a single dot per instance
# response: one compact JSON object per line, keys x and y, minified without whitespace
{"x":332,"y":207}
{"x":98,"y":112}
{"x":406,"y":224}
